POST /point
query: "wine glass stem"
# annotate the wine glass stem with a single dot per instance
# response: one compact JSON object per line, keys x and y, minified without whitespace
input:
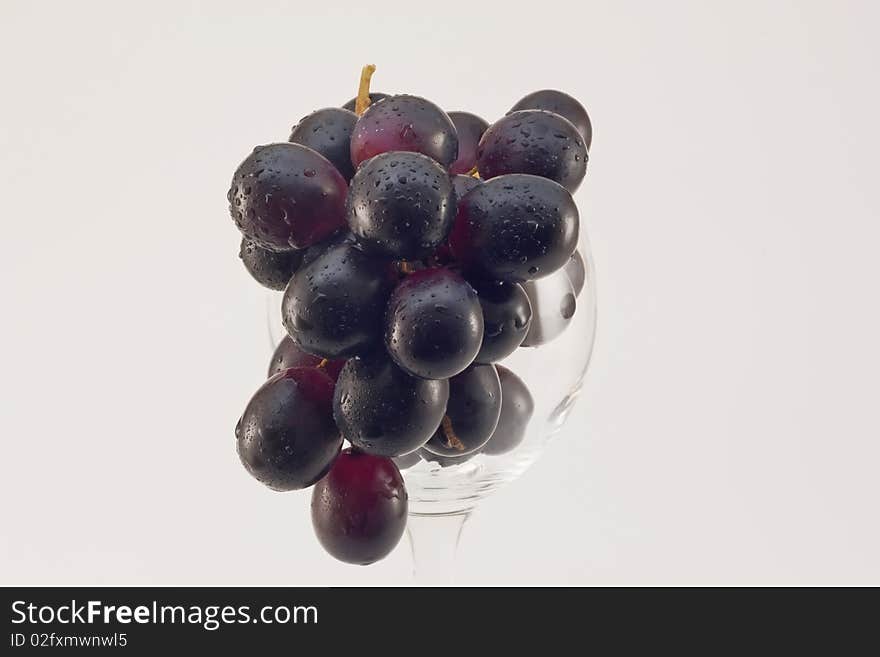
{"x":433,"y":540}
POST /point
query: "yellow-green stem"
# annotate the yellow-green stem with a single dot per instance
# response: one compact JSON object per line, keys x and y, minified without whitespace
{"x":363,"y":98}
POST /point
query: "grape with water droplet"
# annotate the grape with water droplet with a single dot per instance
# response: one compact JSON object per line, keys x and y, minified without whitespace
{"x":271,"y":269}
{"x":404,"y":123}
{"x":385,"y":411}
{"x":359,"y":509}
{"x":401,"y":205}
{"x":507,"y":316}
{"x":286,"y":196}
{"x":416,"y":249}
{"x":434,"y":324}
{"x":560,"y":103}
{"x":516,"y":228}
{"x":328,"y":132}
{"x":286,"y":436}
{"x":333,"y":307}
{"x":536,"y":142}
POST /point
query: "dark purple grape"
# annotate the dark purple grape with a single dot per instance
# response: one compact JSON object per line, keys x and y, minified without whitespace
{"x":286,"y":196}
{"x":333,"y":307}
{"x":562,"y":104}
{"x":401,"y":205}
{"x":553,"y":304}
{"x":469,"y":128}
{"x":471,"y":413}
{"x":385,"y":411}
{"x":444,"y":461}
{"x":507,"y":315}
{"x":463,"y":184}
{"x":359,"y":509}
{"x":517,"y":407}
{"x":271,"y":269}
{"x":576,"y":270}
{"x":515,"y":228}
{"x":434,"y":324}
{"x":328,"y":131}
{"x":536,"y":142}
{"x":286,"y":437}
{"x":341,"y":237}
{"x":288,"y":355}
{"x":375,"y":97}
{"x":404,"y":123}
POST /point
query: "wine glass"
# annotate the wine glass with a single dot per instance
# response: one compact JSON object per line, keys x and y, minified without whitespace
{"x":444,"y":491}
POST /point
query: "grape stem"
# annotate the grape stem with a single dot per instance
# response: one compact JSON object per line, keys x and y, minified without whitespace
{"x":451,"y":439}
{"x":363,"y":98}
{"x":473,"y":173}
{"x":322,"y":364}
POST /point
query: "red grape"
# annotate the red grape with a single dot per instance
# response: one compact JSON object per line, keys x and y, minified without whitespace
{"x":404,"y":123}
{"x":359,"y":509}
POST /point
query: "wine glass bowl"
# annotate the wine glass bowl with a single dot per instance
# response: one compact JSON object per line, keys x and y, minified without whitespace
{"x":562,"y":334}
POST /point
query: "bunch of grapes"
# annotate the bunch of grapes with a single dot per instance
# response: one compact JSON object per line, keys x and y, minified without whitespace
{"x":406,"y":241}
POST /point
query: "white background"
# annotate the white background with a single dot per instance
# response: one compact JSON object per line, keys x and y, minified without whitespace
{"x":728,"y":432}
